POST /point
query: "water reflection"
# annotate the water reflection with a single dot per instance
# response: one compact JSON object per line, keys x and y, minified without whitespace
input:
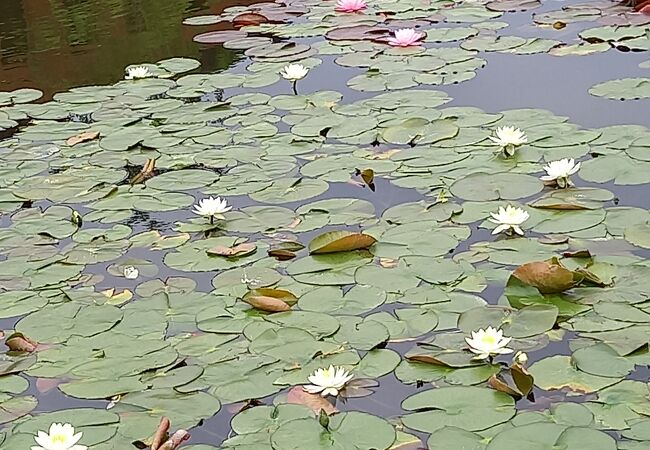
{"x":55,"y":45}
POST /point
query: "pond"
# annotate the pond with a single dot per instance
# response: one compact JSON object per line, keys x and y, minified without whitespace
{"x":320,"y":224}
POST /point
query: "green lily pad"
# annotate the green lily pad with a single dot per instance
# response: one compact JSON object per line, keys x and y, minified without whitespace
{"x":467,"y":407}
{"x":348,"y":429}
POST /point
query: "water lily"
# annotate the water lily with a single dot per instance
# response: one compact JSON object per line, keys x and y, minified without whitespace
{"x":212,"y":207}
{"x":509,"y":219}
{"x":328,"y":381}
{"x":60,"y":437}
{"x":350,"y":6}
{"x":406,"y":37}
{"x":294,"y":72}
{"x":509,"y":138}
{"x":134,"y":73}
{"x":560,"y":171}
{"x":488,"y":342}
{"x":131,"y":273}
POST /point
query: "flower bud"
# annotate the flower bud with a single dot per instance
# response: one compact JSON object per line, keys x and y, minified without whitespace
{"x":521,"y":358}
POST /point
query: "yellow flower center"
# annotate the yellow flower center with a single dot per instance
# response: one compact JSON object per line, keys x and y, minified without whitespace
{"x":489,"y":340}
{"x":59,"y":438}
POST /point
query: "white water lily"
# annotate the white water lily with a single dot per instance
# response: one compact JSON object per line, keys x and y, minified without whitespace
{"x":294,"y":72}
{"x":212,"y":207}
{"x":560,"y":171}
{"x":60,"y":437}
{"x":488,"y":342}
{"x":328,"y":381}
{"x":130,"y":272}
{"x":509,"y":218}
{"x":509,"y":138}
{"x":134,"y":73}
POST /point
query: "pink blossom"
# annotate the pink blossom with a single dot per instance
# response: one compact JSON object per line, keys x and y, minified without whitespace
{"x":350,"y":6}
{"x":405,"y":38}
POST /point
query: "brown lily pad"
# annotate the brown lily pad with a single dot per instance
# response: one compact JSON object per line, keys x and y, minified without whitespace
{"x":18,"y":342}
{"x":340,"y":241}
{"x":313,"y":401}
{"x":249,"y":18}
{"x":82,"y":137}
{"x":548,"y":277}
{"x":270,"y":300}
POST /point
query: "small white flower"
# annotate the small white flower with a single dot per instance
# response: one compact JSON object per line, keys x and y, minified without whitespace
{"x":508,"y":138}
{"x":488,"y":342}
{"x":134,"y":73}
{"x":521,"y":358}
{"x":60,"y":437}
{"x":212,"y":207}
{"x":560,"y":171}
{"x":294,"y":72}
{"x":130,"y":272}
{"x":328,"y":381}
{"x":509,"y":218}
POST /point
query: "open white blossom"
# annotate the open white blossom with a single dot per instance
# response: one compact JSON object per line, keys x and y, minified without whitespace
{"x":294,"y":72}
{"x":509,"y":218}
{"x":488,"y":342}
{"x":134,"y":73}
{"x":212,"y":207}
{"x":560,"y":171}
{"x":60,"y":437}
{"x":328,"y":381}
{"x":509,"y":138}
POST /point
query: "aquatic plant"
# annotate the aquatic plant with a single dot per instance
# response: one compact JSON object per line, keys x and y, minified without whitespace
{"x":560,"y":171}
{"x":488,"y":342}
{"x":405,"y":37}
{"x":509,"y":138}
{"x":509,"y":219}
{"x":328,"y":381}
{"x":59,"y":437}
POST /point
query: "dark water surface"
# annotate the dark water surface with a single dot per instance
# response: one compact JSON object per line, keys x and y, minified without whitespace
{"x":54,"y":45}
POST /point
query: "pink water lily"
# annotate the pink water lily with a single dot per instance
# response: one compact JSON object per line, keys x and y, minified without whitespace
{"x":406,"y":37}
{"x":350,"y":6}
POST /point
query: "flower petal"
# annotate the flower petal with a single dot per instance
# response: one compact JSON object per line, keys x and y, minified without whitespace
{"x":312,"y":389}
{"x":500,"y":228}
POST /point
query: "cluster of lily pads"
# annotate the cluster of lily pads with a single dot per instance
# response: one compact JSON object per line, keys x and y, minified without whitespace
{"x":170,"y":246}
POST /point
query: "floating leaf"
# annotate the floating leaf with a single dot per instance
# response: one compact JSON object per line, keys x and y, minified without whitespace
{"x":244,"y":249}
{"x":271,"y":300}
{"x":523,"y":380}
{"x":219,"y":37}
{"x":467,"y":407}
{"x":343,"y":430}
{"x":558,"y":372}
{"x":340,"y":241}
{"x":368,"y":177}
{"x":82,"y":137}
{"x":548,"y":277}
{"x":18,"y":342}
{"x":315,"y":402}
